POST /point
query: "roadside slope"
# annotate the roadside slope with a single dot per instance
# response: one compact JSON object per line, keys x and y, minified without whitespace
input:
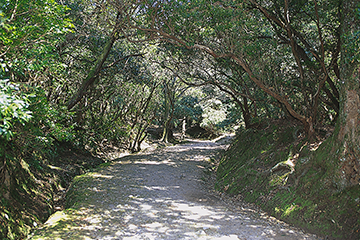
{"x":277,"y":169}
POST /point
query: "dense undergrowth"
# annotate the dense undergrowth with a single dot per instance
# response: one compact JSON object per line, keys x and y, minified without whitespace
{"x":276,"y":168}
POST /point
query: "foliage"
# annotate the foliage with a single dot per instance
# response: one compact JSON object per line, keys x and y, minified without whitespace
{"x":351,"y":39}
{"x":294,"y":62}
{"x":29,"y":33}
{"x":188,"y":106}
{"x":213,"y":114}
{"x":29,"y":48}
{"x":13,"y":108}
{"x":97,"y":74}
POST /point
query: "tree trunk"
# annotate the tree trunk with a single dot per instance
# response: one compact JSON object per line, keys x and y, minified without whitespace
{"x":246,"y":113}
{"x":183,"y":128}
{"x":347,"y":134}
{"x":169,"y":114}
{"x":167,"y":133}
{"x":4,"y":178}
{"x":93,"y":73}
{"x":348,"y":130}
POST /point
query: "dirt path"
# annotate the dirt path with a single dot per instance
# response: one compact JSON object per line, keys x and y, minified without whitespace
{"x":161,"y":195}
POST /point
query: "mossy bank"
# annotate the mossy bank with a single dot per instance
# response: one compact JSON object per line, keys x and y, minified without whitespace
{"x":276,"y":168}
{"x":36,"y":189}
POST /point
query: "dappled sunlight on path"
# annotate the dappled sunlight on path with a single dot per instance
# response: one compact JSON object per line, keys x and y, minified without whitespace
{"x":160,"y":195}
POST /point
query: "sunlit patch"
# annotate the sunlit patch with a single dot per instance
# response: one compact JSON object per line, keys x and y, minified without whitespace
{"x":56,"y":217}
{"x":193,"y":212}
{"x":152,"y":213}
{"x":98,"y":175}
{"x":290,"y":209}
{"x":161,"y":188}
{"x":145,"y":207}
{"x":230,"y":237}
{"x":179,"y":150}
{"x":270,"y":232}
{"x":131,"y":238}
{"x":206,"y":147}
{"x":132,"y":226}
{"x":253,"y":226}
{"x":156,"y":226}
{"x":217,"y":216}
{"x":167,"y":162}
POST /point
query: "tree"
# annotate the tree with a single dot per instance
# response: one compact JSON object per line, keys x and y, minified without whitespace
{"x":202,"y":71}
{"x":260,"y":40}
{"x":346,"y":137}
{"x":29,"y":34}
{"x":104,"y":76}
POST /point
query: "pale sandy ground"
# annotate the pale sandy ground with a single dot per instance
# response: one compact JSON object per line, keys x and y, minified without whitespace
{"x":162,"y":194}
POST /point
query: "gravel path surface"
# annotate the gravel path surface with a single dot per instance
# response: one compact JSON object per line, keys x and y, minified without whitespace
{"x":164,"y":194}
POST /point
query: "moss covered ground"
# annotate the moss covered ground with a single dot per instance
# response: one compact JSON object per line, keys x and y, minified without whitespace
{"x":277,"y":168}
{"x":37,"y":189}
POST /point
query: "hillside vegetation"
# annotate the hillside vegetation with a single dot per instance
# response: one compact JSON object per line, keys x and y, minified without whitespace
{"x":277,"y":168}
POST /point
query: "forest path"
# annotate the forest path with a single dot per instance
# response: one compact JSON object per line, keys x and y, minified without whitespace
{"x":164,"y":194}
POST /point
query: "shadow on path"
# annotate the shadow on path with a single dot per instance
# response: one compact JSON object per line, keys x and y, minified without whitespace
{"x":160,"y":195}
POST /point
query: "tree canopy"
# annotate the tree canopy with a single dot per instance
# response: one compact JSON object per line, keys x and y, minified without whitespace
{"x":100,"y":73}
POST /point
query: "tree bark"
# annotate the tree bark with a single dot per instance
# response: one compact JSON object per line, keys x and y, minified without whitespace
{"x":93,"y":73}
{"x":169,"y":114}
{"x":348,"y":125}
